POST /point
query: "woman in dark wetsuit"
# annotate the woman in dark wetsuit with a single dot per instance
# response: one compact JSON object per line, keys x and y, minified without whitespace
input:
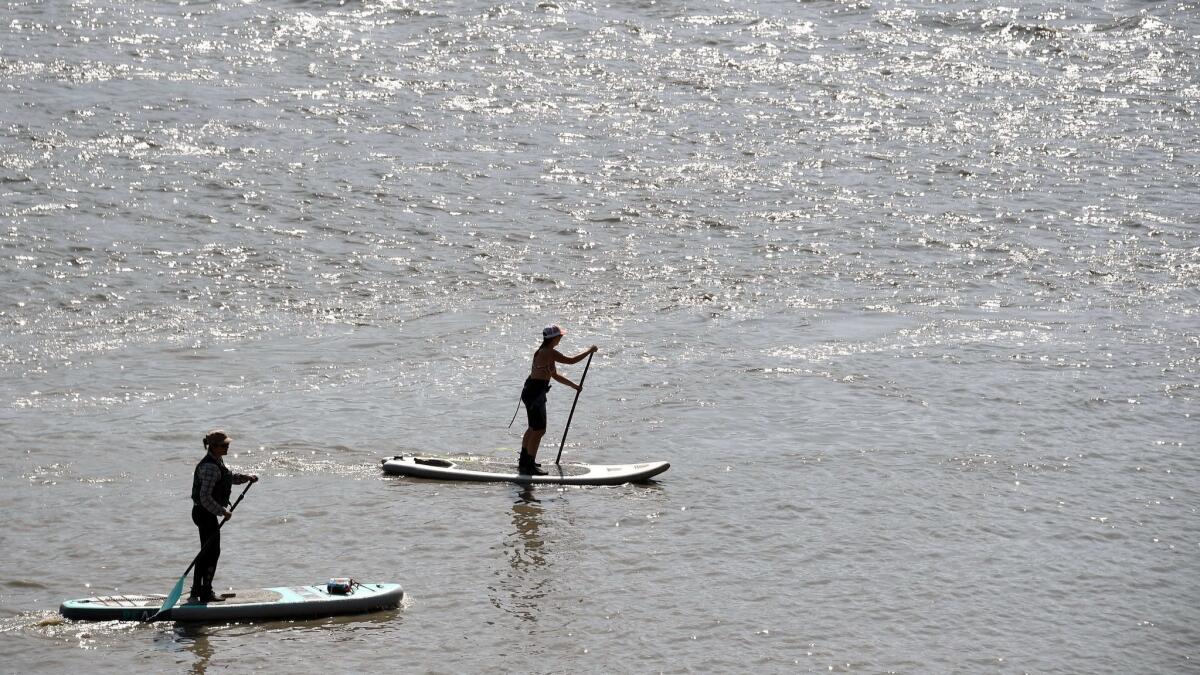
{"x":212,"y":482}
{"x":534,"y":394}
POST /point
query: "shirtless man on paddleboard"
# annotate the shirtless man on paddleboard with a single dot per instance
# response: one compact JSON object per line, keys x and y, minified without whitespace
{"x":533,"y":395}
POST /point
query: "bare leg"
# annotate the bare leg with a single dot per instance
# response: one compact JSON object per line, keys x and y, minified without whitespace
{"x":533,"y":439}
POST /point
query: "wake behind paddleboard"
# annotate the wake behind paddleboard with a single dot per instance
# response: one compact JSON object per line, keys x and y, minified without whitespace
{"x":481,"y":469}
{"x":283,"y":603}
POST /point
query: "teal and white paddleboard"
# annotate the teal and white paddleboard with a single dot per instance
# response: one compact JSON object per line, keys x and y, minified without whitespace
{"x":484,"y":469}
{"x":283,"y":603}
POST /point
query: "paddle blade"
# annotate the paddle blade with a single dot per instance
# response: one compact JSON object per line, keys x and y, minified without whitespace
{"x":172,"y":598}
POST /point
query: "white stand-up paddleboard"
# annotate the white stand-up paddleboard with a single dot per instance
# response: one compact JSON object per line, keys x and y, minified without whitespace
{"x":292,"y":602}
{"x":481,"y":469}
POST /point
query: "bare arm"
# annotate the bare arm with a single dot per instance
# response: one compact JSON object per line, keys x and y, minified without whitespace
{"x":577,"y":358}
{"x":565,"y":381}
{"x":560,"y":358}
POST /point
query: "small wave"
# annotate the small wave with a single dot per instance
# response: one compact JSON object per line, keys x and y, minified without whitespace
{"x":24,"y":583}
{"x":50,"y":624}
{"x":299,"y":461}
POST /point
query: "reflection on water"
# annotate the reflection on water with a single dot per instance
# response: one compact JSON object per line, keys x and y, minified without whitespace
{"x":202,"y":639}
{"x":527,"y":578}
{"x":195,"y":639}
{"x":525,"y":546}
{"x":527,"y":495}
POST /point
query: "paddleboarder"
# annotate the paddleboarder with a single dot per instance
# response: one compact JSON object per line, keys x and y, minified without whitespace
{"x":533,"y":394}
{"x":212,"y":483}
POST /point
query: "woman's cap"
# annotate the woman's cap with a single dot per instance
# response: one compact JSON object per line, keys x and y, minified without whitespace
{"x":217,"y":437}
{"x":552,"y":332}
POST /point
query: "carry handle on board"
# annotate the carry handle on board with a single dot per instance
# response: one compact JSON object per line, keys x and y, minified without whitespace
{"x":577,"y":392}
{"x":173,"y":596}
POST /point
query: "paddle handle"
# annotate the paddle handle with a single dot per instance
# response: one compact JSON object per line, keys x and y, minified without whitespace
{"x":577,"y":393}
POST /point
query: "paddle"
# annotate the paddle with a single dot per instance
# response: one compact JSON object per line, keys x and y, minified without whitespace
{"x":173,"y":596}
{"x":577,"y":392}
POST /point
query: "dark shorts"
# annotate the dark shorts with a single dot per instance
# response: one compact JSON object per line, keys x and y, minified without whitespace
{"x":533,"y":395}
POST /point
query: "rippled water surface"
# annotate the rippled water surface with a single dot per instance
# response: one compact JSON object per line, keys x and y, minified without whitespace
{"x":906,"y":293}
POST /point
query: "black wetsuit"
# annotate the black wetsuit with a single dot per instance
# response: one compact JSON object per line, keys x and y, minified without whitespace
{"x":209,"y":524}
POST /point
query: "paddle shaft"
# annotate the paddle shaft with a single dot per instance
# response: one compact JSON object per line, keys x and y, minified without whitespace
{"x":216,"y":534}
{"x":577,"y":393}
{"x":175,"y":592}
